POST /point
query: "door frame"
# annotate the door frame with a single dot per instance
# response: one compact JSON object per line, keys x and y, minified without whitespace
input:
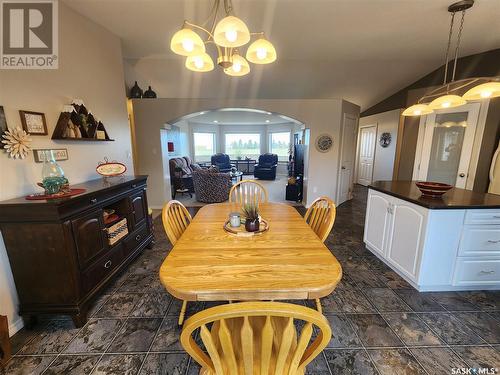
{"x":341,"y":150}
{"x":475,"y":109}
{"x":358,"y":149}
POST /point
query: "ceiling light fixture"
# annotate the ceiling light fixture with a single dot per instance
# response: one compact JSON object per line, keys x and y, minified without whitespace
{"x":226,"y":35}
{"x":446,"y":95}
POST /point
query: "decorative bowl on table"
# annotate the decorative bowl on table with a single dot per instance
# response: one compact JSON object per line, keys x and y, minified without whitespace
{"x":432,"y":189}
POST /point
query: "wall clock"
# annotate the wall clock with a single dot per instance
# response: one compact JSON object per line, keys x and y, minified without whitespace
{"x":385,"y":139}
{"x":324,"y":142}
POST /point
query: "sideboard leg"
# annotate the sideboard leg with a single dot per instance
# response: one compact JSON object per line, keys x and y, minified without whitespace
{"x":30,"y":321}
{"x":79,"y":319}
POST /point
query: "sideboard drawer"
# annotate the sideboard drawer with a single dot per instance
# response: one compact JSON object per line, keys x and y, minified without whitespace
{"x":102,"y":268}
{"x":482,"y":217}
{"x":135,"y":239}
{"x":480,"y":240}
{"x":477,"y":272}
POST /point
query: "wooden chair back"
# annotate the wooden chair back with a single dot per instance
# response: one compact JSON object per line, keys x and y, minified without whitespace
{"x":321,"y":216}
{"x":176,"y":219}
{"x":255,"y":338}
{"x":248,"y":192}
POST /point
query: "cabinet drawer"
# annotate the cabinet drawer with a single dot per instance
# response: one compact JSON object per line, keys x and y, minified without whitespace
{"x":102,"y":268}
{"x":136,"y":238}
{"x":480,"y":240}
{"x":477,"y":272}
{"x":482,"y":217}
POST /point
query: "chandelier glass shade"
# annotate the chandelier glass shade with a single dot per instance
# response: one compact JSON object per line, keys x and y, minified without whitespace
{"x":231,"y":32}
{"x":239,"y":68}
{"x":200,"y":63}
{"x":261,"y":52}
{"x":186,"y":42}
{"x":227,"y":35}
{"x":447,"y":95}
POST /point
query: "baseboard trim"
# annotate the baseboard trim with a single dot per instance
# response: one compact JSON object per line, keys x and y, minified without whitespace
{"x":15,"y":326}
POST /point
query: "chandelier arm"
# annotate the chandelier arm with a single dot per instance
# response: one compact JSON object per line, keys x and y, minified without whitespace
{"x":463,"y":83}
{"x":228,"y":7}
{"x":214,"y":20}
{"x":213,"y":13}
{"x":458,"y":44}
{"x":210,"y":35}
{"x":448,"y":49}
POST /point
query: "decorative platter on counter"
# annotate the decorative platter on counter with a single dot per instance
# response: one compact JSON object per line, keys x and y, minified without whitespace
{"x":432,"y":189}
{"x":110,"y":169}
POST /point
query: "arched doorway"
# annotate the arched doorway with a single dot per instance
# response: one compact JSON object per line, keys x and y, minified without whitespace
{"x":243,"y":134}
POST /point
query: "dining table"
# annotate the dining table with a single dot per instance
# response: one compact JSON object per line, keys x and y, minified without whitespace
{"x":286,"y":262}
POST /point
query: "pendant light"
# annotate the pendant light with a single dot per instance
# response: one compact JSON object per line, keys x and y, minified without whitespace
{"x":261,"y":52}
{"x":446,"y":96}
{"x":186,"y":42}
{"x":226,"y":35}
{"x":239,"y":68}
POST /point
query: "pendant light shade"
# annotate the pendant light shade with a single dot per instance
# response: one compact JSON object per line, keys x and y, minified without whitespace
{"x":239,"y":68}
{"x":186,"y":42}
{"x":447,"y":101}
{"x":417,"y":110}
{"x":200,"y":63}
{"x":483,"y":91}
{"x":261,"y":52}
{"x":231,"y":32}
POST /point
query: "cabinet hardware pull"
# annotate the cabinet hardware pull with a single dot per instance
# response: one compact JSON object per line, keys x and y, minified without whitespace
{"x":487,"y":272}
{"x":493,"y":241}
{"x":138,"y":237}
{"x":134,"y":186}
{"x":107,"y":264}
{"x":93,"y":200}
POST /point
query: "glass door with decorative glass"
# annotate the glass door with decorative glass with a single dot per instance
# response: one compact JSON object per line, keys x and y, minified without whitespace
{"x":446,"y":146}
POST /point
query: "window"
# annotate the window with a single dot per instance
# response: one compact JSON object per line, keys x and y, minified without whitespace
{"x":204,"y":146}
{"x":280,"y":145}
{"x":243,"y":145}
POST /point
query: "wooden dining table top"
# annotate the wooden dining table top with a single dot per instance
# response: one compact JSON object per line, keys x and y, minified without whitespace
{"x":286,"y":262}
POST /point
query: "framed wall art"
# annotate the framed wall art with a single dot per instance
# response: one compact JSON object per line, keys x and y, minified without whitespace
{"x":34,"y":122}
{"x":59,"y":154}
{"x":3,"y":125}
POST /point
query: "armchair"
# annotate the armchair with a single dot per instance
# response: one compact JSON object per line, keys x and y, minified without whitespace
{"x":222,"y":161}
{"x":265,"y":169}
{"x":211,"y":186}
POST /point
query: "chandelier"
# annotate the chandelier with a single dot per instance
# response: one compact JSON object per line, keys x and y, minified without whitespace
{"x":446,"y":95}
{"x":228,"y":36}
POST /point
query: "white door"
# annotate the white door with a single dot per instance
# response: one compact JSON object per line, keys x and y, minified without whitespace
{"x":376,"y":222}
{"x":348,"y":154}
{"x":405,"y":238}
{"x":447,"y":145}
{"x":367,"y":139}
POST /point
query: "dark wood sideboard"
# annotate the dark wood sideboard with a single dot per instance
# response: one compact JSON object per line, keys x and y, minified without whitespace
{"x":59,"y":250}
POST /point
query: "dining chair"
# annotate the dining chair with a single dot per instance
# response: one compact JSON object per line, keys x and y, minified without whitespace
{"x":320,"y":217}
{"x":176,"y":219}
{"x":247,"y":192}
{"x":255,"y":338}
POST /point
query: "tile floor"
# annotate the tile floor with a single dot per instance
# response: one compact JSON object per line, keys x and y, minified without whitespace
{"x":381,"y":325}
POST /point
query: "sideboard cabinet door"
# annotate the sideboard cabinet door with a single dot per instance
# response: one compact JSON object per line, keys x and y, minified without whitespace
{"x":138,"y":203}
{"x":377,"y":221}
{"x":89,"y":237}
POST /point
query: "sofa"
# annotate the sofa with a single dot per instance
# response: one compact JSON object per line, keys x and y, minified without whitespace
{"x":211,"y":186}
{"x":181,"y":173}
{"x":222,"y":161}
{"x":265,"y":169}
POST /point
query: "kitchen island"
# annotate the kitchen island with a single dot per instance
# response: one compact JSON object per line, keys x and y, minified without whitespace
{"x":452,"y":243}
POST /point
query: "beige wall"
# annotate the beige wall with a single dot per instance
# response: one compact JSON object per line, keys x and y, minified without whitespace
{"x":387,"y":122}
{"x":321,"y":116}
{"x":90,"y":68}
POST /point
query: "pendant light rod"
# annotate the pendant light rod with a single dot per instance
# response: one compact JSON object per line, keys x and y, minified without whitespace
{"x":446,"y":62}
{"x":459,"y":37}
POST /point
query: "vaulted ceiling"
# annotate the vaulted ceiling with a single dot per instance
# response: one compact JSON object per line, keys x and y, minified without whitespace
{"x":360,"y":50}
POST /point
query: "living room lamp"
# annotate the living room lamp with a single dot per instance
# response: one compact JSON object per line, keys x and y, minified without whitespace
{"x":446,"y":95}
{"x":226,"y":35}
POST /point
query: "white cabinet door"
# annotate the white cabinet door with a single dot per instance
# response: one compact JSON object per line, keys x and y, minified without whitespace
{"x":405,"y":237}
{"x":377,"y":221}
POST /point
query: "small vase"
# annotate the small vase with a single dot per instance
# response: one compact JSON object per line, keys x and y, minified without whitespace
{"x":135,"y":91}
{"x":149,"y":93}
{"x":252,"y":225}
{"x":53,"y":179}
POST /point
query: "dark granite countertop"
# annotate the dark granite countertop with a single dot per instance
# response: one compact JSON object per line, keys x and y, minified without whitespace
{"x":453,"y":199}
